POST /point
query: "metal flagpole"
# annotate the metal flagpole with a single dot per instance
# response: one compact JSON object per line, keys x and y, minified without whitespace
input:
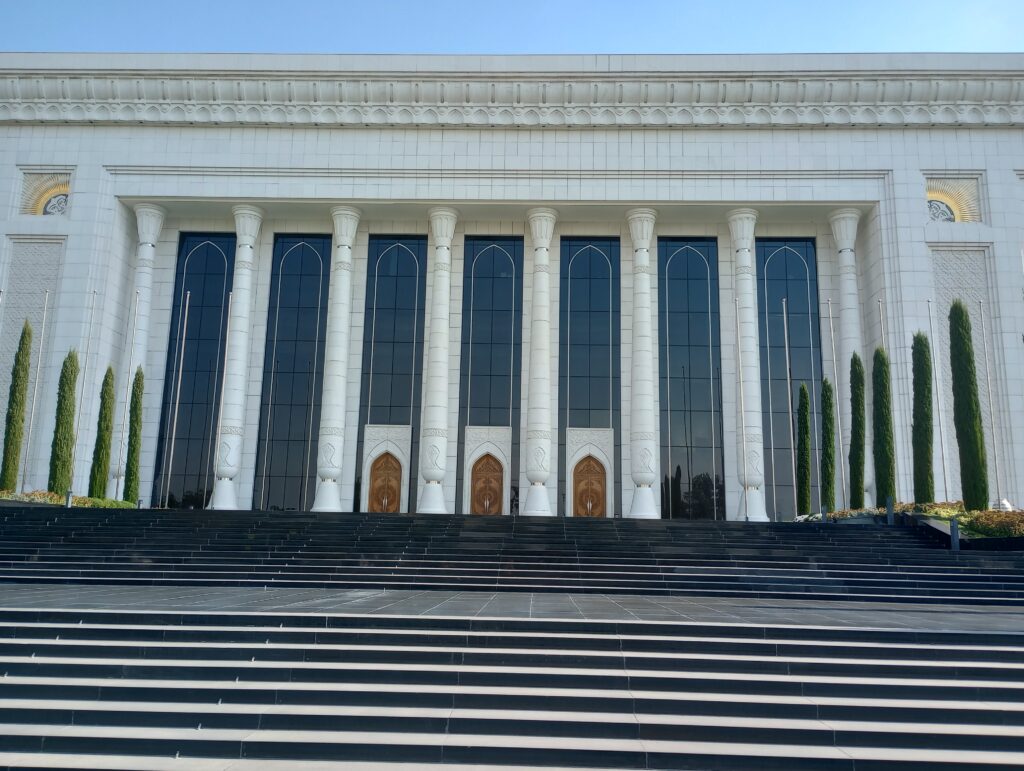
{"x":771,"y":404}
{"x":81,"y":399}
{"x":789,"y":400}
{"x":127,"y":400}
{"x":743,"y":414}
{"x":838,"y":412}
{"x":711,"y":374}
{"x":35,"y":393}
{"x":991,"y":415}
{"x":223,"y":378}
{"x":938,"y":402}
{"x":177,"y":400}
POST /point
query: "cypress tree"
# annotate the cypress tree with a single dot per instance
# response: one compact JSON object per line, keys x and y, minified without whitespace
{"x":62,"y":448}
{"x":131,"y":473}
{"x":104,"y":433}
{"x":857,"y":432}
{"x":884,"y":442}
{"x":803,"y":452}
{"x":970,"y":437}
{"x":828,"y":450}
{"x":924,"y":487}
{"x":15,"y":425}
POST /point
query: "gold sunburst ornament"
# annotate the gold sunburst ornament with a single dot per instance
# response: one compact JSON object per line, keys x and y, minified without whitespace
{"x":46,"y":193}
{"x":953,"y":199}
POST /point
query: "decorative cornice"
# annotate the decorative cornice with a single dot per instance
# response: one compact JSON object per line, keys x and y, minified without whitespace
{"x":797,"y":96}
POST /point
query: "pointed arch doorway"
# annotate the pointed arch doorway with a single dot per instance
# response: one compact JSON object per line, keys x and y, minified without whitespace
{"x":487,"y":486}
{"x":385,"y":485}
{"x":589,"y":488}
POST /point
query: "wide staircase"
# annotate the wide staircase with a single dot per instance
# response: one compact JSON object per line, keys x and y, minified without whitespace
{"x":241,"y":690}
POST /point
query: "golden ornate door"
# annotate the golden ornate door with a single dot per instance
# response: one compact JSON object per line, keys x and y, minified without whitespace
{"x":385,"y":485}
{"x":588,"y":488}
{"x":487,"y":486}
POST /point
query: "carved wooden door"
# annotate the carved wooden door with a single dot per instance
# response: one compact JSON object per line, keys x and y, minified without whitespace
{"x":385,"y":485}
{"x":487,"y":486}
{"x":588,"y":488}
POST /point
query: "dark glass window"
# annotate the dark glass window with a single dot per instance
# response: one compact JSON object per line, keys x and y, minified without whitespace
{"x":787,"y":278}
{"x":492,"y":320}
{"x":690,"y":374}
{"x":293,"y":367}
{"x":396,"y":289}
{"x":184,"y":477}
{"x":588,"y":359}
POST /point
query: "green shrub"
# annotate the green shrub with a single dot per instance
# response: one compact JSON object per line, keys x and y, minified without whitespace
{"x":857,"y":433}
{"x":884,"y":444}
{"x":828,"y":449}
{"x":62,"y":449}
{"x":970,"y":437}
{"x":104,"y":434}
{"x":131,"y":473}
{"x":15,"y":425}
{"x":998,"y":524}
{"x":924,"y":486}
{"x":803,"y":452}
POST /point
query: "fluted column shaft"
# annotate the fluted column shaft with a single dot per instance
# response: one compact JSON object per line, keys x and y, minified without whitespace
{"x":434,"y":432}
{"x":149,"y":220}
{"x":750,"y":447}
{"x":248,"y":220}
{"x":844,"y":230}
{"x":641,"y":399}
{"x":538,"y":408}
{"x":331,"y":440}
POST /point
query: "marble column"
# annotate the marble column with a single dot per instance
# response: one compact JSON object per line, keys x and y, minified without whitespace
{"x":538,"y":405}
{"x":149,"y":221}
{"x":643,"y":450}
{"x":331,"y":442}
{"x":750,"y":447}
{"x":844,"y":230}
{"x":236,"y":367}
{"x":434,"y":430}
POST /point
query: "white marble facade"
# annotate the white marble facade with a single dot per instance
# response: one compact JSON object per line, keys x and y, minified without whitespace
{"x":839,"y":149}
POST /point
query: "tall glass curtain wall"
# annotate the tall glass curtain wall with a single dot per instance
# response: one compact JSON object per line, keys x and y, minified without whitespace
{"x":588,"y":358}
{"x":692,"y":484}
{"x":192,"y":380}
{"x":787,"y":280}
{"x":396,"y":286}
{"x":492,"y":313}
{"x":293,"y":366}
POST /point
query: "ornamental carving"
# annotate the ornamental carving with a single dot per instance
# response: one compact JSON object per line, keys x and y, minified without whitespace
{"x":487,"y":486}
{"x":589,"y":482}
{"x":385,"y":485}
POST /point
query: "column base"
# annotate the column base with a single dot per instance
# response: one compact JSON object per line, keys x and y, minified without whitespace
{"x":537,"y":502}
{"x":643,"y":506}
{"x":328,"y":496}
{"x":224,"y":497}
{"x":115,"y":487}
{"x":752,"y":508}
{"x":431,"y":499}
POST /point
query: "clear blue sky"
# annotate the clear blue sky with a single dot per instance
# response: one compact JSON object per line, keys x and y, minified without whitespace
{"x":512,"y":26}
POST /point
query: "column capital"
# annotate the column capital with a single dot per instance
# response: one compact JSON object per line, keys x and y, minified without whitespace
{"x":844,"y":227}
{"x":641,"y":227}
{"x":346,"y":222}
{"x":248,"y":220}
{"x":442,"y":225}
{"x":741,"y":228}
{"x":149,"y":218}
{"x":542,"y":226}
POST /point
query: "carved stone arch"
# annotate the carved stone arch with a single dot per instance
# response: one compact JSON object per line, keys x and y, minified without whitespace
{"x":487,"y":487}
{"x":385,"y":488}
{"x":589,"y":488}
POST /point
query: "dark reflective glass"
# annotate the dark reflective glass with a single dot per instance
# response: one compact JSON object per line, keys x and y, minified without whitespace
{"x":690,"y":379}
{"x":787,"y":272}
{"x":204,"y":272}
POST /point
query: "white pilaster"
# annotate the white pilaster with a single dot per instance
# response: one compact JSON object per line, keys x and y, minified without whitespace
{"x":248,"y":220}
{"x":641,"y":399}
{"x":538,"y":415}
{"x":331,"y":442}
{"x":434,"y":431}
{"x":844,"y":230}
{"x":149,"y":220}
{"x":750,"y":447}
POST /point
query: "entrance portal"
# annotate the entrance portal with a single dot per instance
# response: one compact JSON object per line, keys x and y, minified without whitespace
{"x":588,"y":488}
{"x":487,"y":486}
{"x":385,"y":485}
